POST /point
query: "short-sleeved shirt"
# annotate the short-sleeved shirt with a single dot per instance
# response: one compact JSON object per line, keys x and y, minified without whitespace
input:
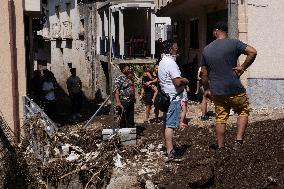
{"x":147,"y":89}
{"x":74,"y":84}
{"x":167,"y":71}
{"x":125,"y":87}
{"x":220,"y":57}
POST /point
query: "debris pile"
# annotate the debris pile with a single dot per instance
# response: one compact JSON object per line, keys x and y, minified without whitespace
{"x":73,"y":152}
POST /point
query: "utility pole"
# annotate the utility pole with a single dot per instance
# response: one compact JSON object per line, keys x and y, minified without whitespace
{"x":110,"y":68}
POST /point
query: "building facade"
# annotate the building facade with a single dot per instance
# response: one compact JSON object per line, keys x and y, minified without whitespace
{"x":76,"y":34}
{"x":248,"y":20}
{"x":15,"y":32}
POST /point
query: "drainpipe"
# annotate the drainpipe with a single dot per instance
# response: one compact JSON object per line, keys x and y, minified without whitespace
{"x":233,"y":19}
{"x":14,"y":71}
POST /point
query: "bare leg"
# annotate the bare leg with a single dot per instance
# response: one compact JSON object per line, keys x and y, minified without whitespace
{"x":169,"y":132}
{"x":204,"y":106}
{"x":242,"y":124}
{"x":220,"y":133}
{"x":183,"y":113}
{"x":148,"y":110}
{"x":163,"y":128}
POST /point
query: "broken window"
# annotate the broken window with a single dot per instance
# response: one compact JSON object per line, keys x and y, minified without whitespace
{"x":68,"y":9}
{"x":57,"y":11}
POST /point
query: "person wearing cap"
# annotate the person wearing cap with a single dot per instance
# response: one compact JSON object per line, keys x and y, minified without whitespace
{"x":220,"y":66}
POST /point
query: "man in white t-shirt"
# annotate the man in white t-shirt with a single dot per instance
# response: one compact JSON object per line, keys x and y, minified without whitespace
{"x":172,"y":84}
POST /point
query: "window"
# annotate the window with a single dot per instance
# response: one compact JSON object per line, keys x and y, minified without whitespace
{"x":68,"y":8}
{"x":57,"y":11}
{"x":194,"y":37}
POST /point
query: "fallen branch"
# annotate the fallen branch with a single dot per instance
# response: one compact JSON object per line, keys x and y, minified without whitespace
{"x":70,"y":173}
{"x":93,"y":176}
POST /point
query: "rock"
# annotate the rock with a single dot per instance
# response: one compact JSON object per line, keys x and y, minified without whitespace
{"x":149,"y":185}
{"x":124,"y":182}
{"x":143,"y":150}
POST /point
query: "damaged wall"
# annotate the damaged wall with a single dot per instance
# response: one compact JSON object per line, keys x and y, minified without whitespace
{"x":71,"y":29}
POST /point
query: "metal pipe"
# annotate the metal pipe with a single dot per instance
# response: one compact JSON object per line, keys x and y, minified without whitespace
{"x":14,"y":71}
{"x":110,"y":67}
{"x":98,"y":110}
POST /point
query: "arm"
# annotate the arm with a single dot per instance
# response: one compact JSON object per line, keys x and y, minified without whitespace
{"x":155,"y":89}
{"x":152,"y":82}
{"x":117,"y":99}
{"x":205,"y":81}
{"x":142,"y":92}
{"x":251,"y":55}
{"x":197,"y":87}
{"x":180,"y":81}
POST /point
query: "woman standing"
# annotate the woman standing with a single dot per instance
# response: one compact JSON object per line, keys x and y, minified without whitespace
{"x":49,"y":95}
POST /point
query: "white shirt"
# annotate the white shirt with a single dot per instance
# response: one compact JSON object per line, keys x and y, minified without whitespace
{"x":167,"y":71}
{"x":46,"y":86}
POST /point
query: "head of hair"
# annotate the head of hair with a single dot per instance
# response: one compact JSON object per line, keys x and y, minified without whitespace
{"x":167,"y":45}
{"x":146,"y":68}
{"x":122,"y":67}
{"x":223,"y":26}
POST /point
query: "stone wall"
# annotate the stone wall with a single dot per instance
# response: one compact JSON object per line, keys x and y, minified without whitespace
{"x":266,"y":93}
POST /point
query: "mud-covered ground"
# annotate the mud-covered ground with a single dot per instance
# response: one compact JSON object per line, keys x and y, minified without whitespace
{"x":258,"y":164}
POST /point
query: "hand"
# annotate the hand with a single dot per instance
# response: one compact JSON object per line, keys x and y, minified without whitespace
{"x":120,"y":106}
{"x":207,"y":94}
{"x":196,"y":92}
{"x":239,"y":70}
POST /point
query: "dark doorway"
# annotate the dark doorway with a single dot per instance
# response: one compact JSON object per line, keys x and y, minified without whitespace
{"x":212,"y":19}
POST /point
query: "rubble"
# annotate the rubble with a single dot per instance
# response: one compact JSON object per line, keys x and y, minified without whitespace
{"x":73,"y":151}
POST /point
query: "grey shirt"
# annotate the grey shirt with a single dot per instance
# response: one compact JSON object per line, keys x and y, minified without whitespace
{"x":73,"y":84}
{"x":220,"y":57}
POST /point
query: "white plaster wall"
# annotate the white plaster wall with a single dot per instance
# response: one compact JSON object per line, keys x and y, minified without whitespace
{"x":75,"y":55}
{"x":6,"y":96}
{"x":265,"y":33}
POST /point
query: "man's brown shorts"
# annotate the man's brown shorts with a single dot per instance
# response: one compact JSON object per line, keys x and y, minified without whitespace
{"x":223,"y":104}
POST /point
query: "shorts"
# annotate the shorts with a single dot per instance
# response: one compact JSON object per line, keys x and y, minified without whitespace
{"x":172,"y":116}
{"x":223,"y":104}
{"x":147,"y":99}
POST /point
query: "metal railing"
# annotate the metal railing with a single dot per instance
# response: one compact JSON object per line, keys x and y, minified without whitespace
{"x":32,"y":109}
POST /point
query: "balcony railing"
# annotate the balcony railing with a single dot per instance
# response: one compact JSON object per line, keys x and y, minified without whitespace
{"x":136,"y":48}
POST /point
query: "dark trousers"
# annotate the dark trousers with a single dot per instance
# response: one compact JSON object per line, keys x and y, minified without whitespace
{"x":127,"y":116}
{"x":50,"y":108}
{"x":76,"y":100}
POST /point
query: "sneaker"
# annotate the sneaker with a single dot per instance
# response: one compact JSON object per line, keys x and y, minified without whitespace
{"x":204,"y":118}
{"x":173,"y":157}
{"x":238,"y":145}
{"x":79,"y":115}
